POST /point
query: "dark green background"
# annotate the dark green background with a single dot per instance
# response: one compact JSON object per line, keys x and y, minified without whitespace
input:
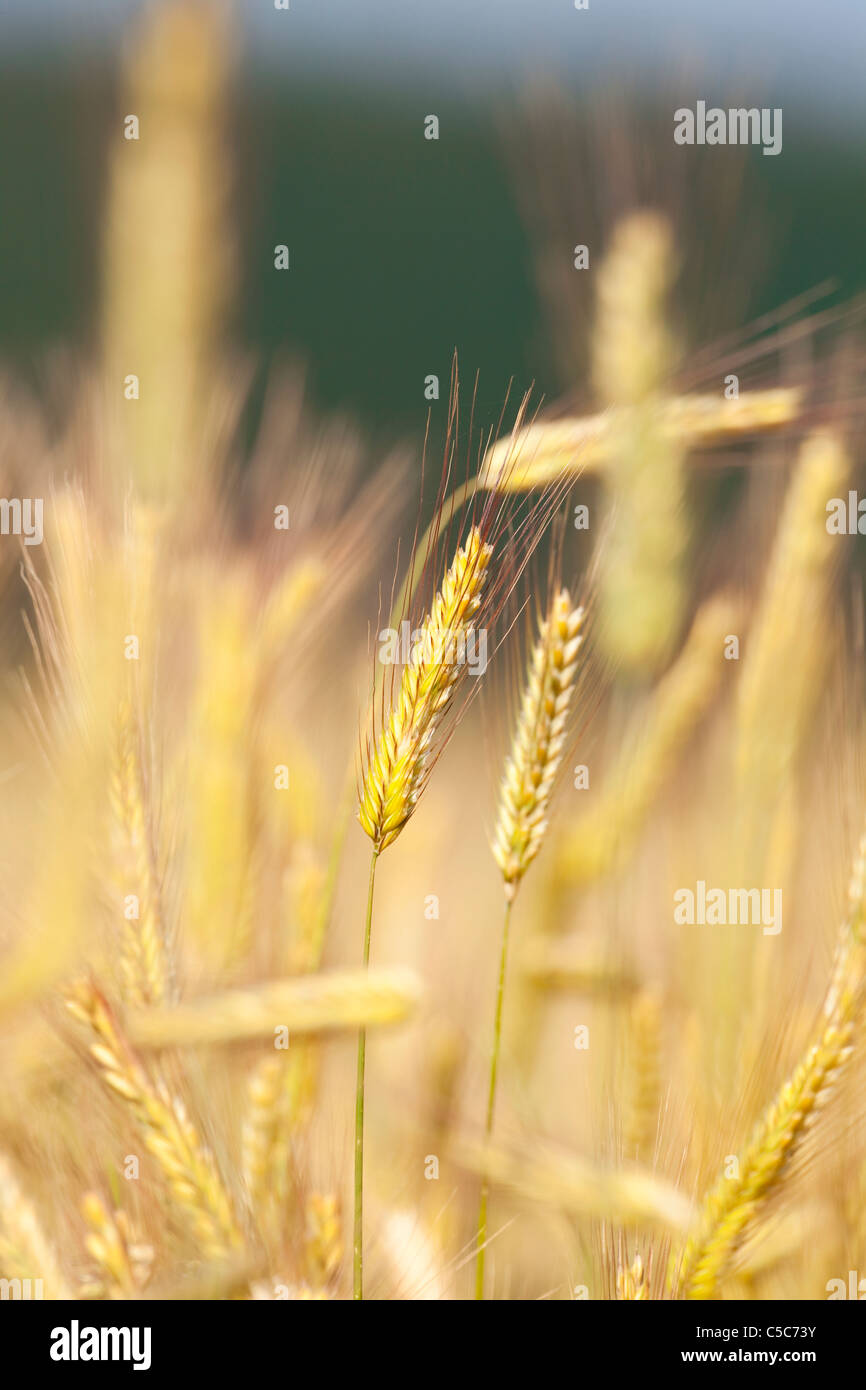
{"x":401,"y":249}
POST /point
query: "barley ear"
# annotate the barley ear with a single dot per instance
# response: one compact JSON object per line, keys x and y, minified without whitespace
{"x":731,"y":1208}
{"x":539,"y":739}
{"x":169,"y":1135}
{"x":397,"y":765}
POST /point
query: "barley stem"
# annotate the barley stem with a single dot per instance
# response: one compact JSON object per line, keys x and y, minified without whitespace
{"x":491,"y":1101}
{"x":358,"y":1258}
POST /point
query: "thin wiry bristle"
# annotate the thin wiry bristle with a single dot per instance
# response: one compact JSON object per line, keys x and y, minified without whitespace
{"x":395,"y":770}
{"x":539,"y":740}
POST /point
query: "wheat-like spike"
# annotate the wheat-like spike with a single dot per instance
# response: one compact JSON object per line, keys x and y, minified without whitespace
{"x":731,"y":1207}
{"x":633,"y":348}
{"x":774,"y":717}
{"x":166,"y":209}
{"x":281,"y":1087}
{"x":123,"y":1263}
{"x":323,"y":1246}
{"x":395,"y":770}
{"x":25,"y":1252}
{"x":553,"y":1176}
{"x":337,"y":999}
{"x":265,"y":1152}
{"x":548,"y":965}
{"x":536,"y":754}
{"x":166,"y":1129}
{"x":644,"y":1074}
{"x":280,"y":1095}
{"x":642,"y":589}
{"x":143,"y":963}
{"x":546,"y":450}
{"x":631,"y":1283}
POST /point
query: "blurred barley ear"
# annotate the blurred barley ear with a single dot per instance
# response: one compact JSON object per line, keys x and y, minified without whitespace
{"x":542,"y":1173}
{"x":281,"y":1087}
{"x":25,"y":1252}
{"x":774,"y":716}
{"x":324,"y":1239}
{"x":644,"y":1074}
{"x":732,"y":1209}
{"x":123,"y":1262}
{"x":201,"y":1200}
{"x":595,"y":843}
{"x":77,"y":598}
{"x":336,"y":999}
{"x":279,"y":1100}
{"x":219,"y":840}
{"x":143,"y":959}
{"x":168,"y":263}
{"x":549,"y":449}
{"x":642,"y":581}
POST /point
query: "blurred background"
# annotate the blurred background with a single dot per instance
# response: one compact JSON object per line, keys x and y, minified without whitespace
{"x":405,"y":249}
{"x":305,"y":127}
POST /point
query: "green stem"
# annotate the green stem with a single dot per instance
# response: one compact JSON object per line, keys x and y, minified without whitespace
{"x":491,"y":1104}
{"x":358,"y":1261}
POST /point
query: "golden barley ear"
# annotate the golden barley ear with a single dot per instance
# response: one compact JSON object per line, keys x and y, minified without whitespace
{"x":169,"y":1135}
{"x":397,"y":765}
{"x":539,"y":741}
{"x":731,"y":1209}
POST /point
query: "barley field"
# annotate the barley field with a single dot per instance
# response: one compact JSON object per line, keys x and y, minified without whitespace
{"x":589,"y":669}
